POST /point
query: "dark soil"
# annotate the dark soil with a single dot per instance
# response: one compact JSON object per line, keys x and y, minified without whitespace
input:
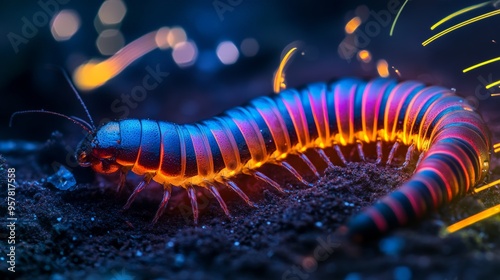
{"x":84,"y":234}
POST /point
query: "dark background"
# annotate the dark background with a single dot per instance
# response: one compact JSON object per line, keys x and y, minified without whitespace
{"x":190,"y":94}
{"x":82,"y":234}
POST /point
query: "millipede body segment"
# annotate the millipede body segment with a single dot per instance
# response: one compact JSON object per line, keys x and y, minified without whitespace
{"x":450,"y":136}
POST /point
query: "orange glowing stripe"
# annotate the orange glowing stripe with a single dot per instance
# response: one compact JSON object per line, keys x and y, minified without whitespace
{"x":364,"y":117}
{"x":386,"y":114}
{"x":474,"y":219}
{"x":352,"y":25}
{"x":459,"y":25}
{"x":279,"y":77}
{"x":94,"y":74}
{"x":338,"y":118}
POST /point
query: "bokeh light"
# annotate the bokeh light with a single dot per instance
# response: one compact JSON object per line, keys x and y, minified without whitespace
{"x":364,"y":56}
{"x":64,"y":25}
{"x":112,"y":12}
{"x":176,"y":35}
{"x":383,"y":68}
{"x":161,"y":38}
{"x":227,"y":52}
{"x":185,"y":53}
{"x":110,"y":41}
{"x":352,"y":25}
{"x":249,"y":47}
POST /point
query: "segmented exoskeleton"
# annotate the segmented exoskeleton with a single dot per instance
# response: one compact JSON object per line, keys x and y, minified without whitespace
{"x":451,"y":137}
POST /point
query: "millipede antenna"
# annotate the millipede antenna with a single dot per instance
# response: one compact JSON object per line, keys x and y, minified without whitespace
{"x":83,"y":124}
{"x":75,"y":91}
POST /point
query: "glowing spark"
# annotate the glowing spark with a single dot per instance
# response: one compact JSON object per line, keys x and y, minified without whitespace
{"x":279,"y":77}
{"x":493,"y":84}
{"x":481,"y":64}
{"x":365,"y":56}
{"x":474,"y":219}
{"x":397,"y":16}
{"x":480,"y":189}
{"x":397,"y":71}
{"x":94,"y":74}
{"x":459,"y":12}
{"x":352,"y":25}
{"x":459,"y":25}
{"x":383,"y":68}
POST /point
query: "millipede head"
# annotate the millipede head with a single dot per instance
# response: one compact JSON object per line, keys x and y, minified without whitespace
{"x":98,"y":149}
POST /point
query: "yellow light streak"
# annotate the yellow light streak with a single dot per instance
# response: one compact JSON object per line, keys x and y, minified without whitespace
{"x":93,"y":73}
{"x":459,"y":12}
{"x":396,"y":18}
{"x":279,"y":76}
{"x":489,"y":185}
{"x":480,"y":64}
{"x":459,"y":25}
{"x":493,"y":84}
{"x":474,"y":219}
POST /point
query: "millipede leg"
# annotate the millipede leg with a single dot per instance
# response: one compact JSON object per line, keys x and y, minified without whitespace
{"x":379,"y":151}
{"x":137,"y":190}
{"x":167,"y":191}
{"x":213,"y":190}
{"x":123,"y":179}
{"x":324,"y":157}
{"x":309,"y":164}
{"x":261,"y":176}
{"x":294,"y":172}
{"x":392,"y":152}
{"x":420,"y":157}
{"x":194,"y":203}
{"x":340,"y":154}
{"x":409,"y":153}
{"x":360,"y":150}
{"x":232,"y":185}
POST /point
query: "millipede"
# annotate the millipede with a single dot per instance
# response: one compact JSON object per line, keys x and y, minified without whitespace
{"x":450,"y":136}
